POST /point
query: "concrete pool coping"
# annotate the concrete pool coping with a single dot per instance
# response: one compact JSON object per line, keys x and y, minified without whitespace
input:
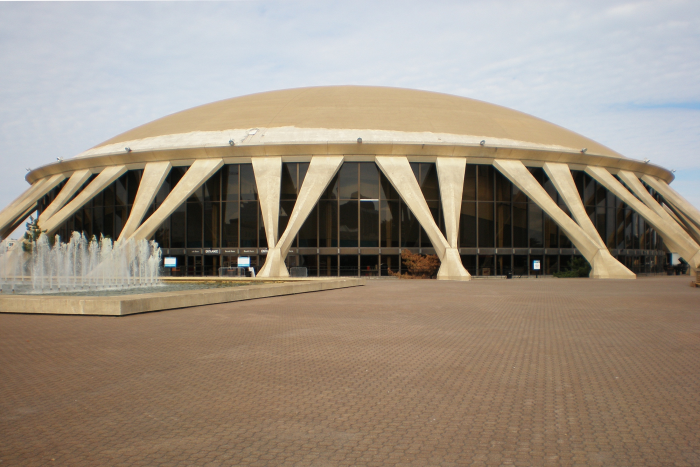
{"x":120,"y":305}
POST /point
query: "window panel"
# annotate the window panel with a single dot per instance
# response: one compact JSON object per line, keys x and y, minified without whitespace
{"x":469,"y":188}
{"x":328,"y":223}
{"x":229,"y":182}
{"x":348,"y":180}
{"x":249,"y":224}
{"x":486,"y":224}
{"x":249,"y":190}
{"x":212,"y":215}
{"x":467,"y":225}
{"x":194,"y":224}
{"x":369,"y":180}
{"x":369,"y":223}
{"x":389,"y":224}
{"x":308,"y":237}
{"x":230,"y":225}
{"x":348,"y":223}
{"x":534,"y":216}
{"x":409,"y":227}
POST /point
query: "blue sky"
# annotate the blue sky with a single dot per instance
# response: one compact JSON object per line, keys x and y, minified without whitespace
{"x":626,"y":74}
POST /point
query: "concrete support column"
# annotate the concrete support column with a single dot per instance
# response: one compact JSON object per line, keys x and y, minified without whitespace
{"x":603,"y":265}
{"x":196,"y":175}
{"x":74,"y":183}
{"x":671,"y":232}
{"x":451,"y":176}
{"x":153,"y":176}
{"x":672,"y":196}
{"x":107,"y":176}
{"x":25,"y":204}
{"x":268,"y":178}
{"x":321,"y":171}
{"x":398,"y":171}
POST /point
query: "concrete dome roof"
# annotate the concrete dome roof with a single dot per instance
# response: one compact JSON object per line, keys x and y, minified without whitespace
{"x":367,"y":108}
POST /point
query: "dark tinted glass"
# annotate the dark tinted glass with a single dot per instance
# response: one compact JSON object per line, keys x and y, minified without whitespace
{"x":469,"y":189}
{"x":409,"y":227}
{"x":307,"y":234}
{"x":303,"y":168}
{"x":369,"y":180}
{"x":486,"y":224}
{"x":503,"y":226}
{"x":348,"y":230}
{"x":485,"y":183}
{"x":534,"y":216}
{"x":285,"y":211}
{"x":389,"y":224}
{"x":212,"y":187}
{"x":177,"y":227}
{"x":194,"y":224}
{"x":328,"y":223}
{"x":212,"y":215}
{"x":387,"y":189}
{"x":429,"y":184}
{"x":467,"y":225}
{"x":520,"y":237}
{"x":348,"y":180}
{"x":369,"y":223}
{"x":229,"y":182}
{"x":328,"y":265}
{"x":230,"y":225}
{"x":551,"y":232}
{"x":249,"y":190}
{"x":332,"y":189}
{"x":134,"y":178}
{"x":288,"y":189}
{"x":249,"y":224}
{"x":262,"y":236}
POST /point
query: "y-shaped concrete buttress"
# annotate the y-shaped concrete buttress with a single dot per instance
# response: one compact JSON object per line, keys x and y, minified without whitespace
{"x":633,"y":183}
{"x":398,"y":171}
{"x":321,"y":171}
{"x":451,"y":176}
{"x":560,"y":176}
{"x":24,"y":204}
{"x":268,"y":178}
{"x":672,"y":196}
{"x":671,"y":232}
{"x":72,"y":185}
{"x":196,"y":175}
{"x":153,"y":176}
{"x":603,"y":265}
{"x":107,"y":176}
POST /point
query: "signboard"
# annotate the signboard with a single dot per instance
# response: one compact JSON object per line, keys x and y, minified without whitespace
{"x":536,"y":264}
{"x":244,"y":261}
{"x":170,"y":262}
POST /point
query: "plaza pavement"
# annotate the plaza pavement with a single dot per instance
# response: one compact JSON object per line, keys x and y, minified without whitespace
{"x":488,"y":372}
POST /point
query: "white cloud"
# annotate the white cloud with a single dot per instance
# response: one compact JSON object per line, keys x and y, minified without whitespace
{"x":75,"y":74}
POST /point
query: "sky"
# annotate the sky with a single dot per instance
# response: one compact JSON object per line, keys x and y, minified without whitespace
{"x":626,"y":74}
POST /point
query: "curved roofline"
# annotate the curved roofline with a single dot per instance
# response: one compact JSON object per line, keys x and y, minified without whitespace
{"x":364,"y":108}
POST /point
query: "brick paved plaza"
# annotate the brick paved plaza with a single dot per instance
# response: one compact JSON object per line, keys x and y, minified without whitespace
{"x":489,"y":372}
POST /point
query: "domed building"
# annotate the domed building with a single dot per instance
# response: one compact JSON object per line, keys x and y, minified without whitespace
{"x":342,"y":179}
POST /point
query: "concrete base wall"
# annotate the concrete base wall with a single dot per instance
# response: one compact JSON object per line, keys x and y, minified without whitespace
{"x":142,"y":303}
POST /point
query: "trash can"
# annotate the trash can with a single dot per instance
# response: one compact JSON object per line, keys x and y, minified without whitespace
{"x":509,"y":275}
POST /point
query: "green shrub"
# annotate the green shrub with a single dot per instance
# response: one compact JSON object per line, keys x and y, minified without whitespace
{"x":577,"y":267}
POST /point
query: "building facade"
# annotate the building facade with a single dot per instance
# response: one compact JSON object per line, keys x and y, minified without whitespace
{"x":348,"y":177}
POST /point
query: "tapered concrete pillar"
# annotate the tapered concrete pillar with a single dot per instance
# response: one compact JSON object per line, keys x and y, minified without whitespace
{"x":321,"y":171}
{"x":633,"y":183}
{"x":684,"y":221}
{"x":198,"y":173}
{"x":107,"y":176}
{"x":672,"y":196}
{"x":671,"y":232}
{"x":451,"y":176}
{"x":72,"y":185}
{"x":398,"y":171}
{"x":19,"y":209}
{"x":563,"y":181}
{"x":603,"y":265}
{"x":153,"y":177}
{"x":268,"y":178}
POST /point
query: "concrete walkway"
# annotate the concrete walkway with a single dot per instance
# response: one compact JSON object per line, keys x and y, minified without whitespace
{"x":532,"y":372}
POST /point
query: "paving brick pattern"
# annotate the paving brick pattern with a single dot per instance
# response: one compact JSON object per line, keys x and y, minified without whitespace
{"x":549,"y":372}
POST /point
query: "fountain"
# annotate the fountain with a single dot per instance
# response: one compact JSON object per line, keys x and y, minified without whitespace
{"x":79,"y":265}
